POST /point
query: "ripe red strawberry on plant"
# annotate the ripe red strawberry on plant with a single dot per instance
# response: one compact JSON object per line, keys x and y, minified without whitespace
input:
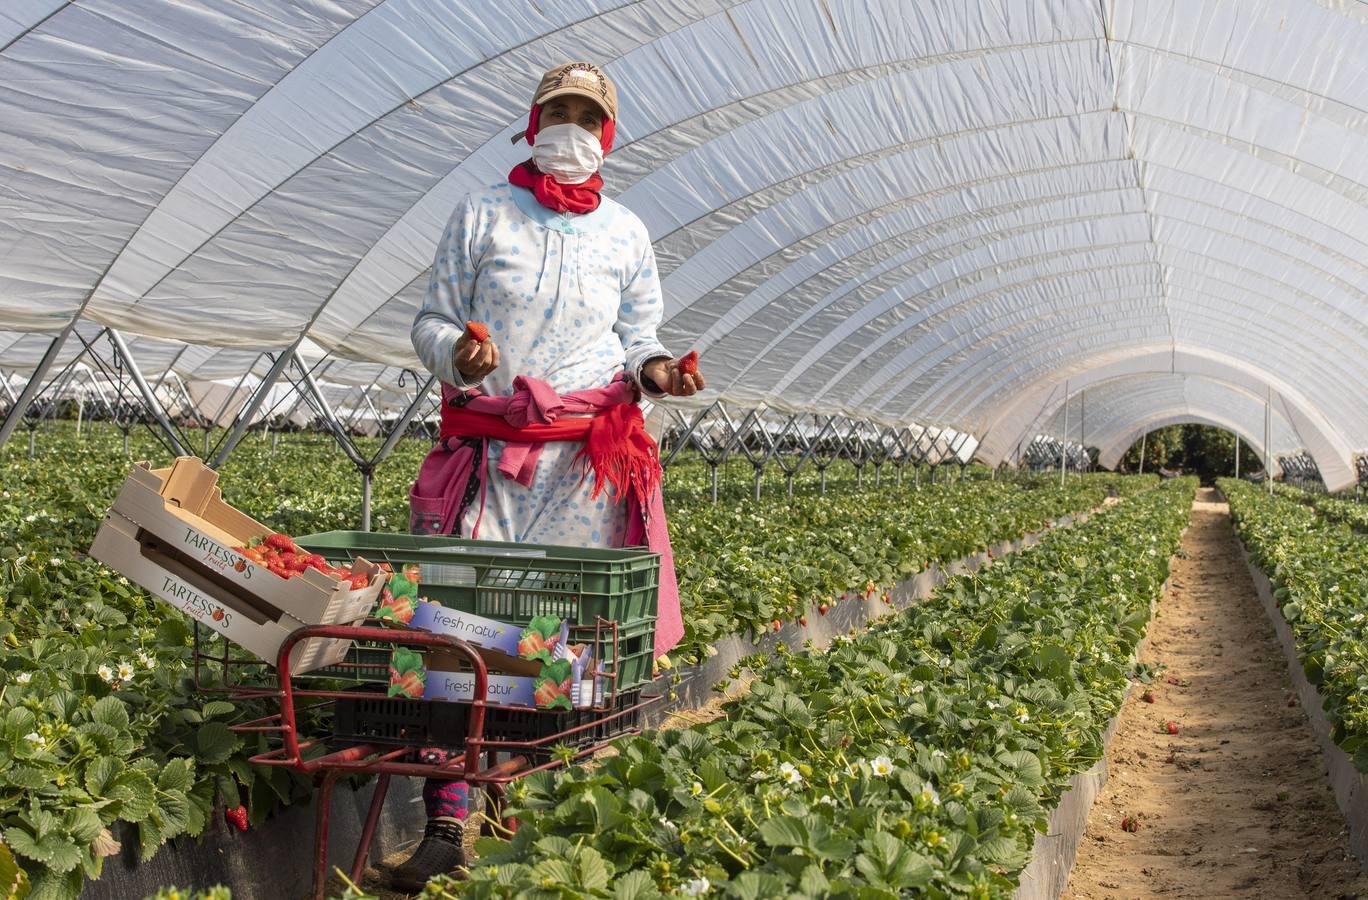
{"x":1147,"y":696}
{"x":477,"y":331}
{"x":236,"y":816}
{"x":1171,"y":727}
{"x":1130,"y":824}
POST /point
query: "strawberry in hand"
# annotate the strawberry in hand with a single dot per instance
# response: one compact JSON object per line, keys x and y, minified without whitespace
{"x":675,"y":377}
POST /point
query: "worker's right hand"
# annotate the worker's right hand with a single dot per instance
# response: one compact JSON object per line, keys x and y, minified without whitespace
{"x":474,"y":359}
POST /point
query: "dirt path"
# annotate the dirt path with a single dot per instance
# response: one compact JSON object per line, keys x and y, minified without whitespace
{"x":1238,"y":803}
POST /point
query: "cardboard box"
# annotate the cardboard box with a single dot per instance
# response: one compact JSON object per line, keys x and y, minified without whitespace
{"x":170,"y":532}
{"x":445,"y":675}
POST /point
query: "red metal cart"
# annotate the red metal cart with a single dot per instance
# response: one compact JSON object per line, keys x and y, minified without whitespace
{"x":477,"y":761}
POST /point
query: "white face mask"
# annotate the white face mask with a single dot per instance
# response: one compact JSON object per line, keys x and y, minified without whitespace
{"x":567,"y":153}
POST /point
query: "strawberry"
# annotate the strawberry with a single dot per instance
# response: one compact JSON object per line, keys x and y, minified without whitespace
{"x":281,"y":542}
{"x":477,"y":332}
{"x":546,"y":693}
{"x":217,"y":615}
{"x":1130,"y":824}
{"x":314,"y":561}
{"x":777,"y":625}
{"x":823,"y":608}
{"x":531,"y":644}
{"x":240,"y":566}
{"x":237,"y":817}
{"x":410,"y":684}
{"x":688,"y":363}
{"x":359,"y":581}
{"x":1171,"y":727}
{"x":802,"y":620}
{"x":1147,"y":696}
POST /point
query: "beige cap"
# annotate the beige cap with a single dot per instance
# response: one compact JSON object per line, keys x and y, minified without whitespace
{"x":583,"y":79}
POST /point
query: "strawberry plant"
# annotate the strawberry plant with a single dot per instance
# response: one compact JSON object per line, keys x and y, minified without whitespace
{"x":78,"y":643}
{"x":1319,"y":574}
{"x":920,"y":757}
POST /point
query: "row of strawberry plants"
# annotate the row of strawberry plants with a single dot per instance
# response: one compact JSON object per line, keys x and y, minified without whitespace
{"x":1350,"y":512}
{"x":1319,"y":572}
{"x":93,"y":672}
{"x":921,"y":756}
{"x":739,"y":574}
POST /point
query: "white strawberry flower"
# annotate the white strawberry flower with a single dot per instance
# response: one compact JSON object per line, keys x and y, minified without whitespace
{"x":148,"y":660}
{"x":991,"y":705}
{"x":125,"y":671}
{"x":696,"y":887}
{"x":24,"y":677}
{"x":826,"y":800}
{"x":854,"y":768}
{"x":929,"y":794}
{"x":1022,"y":715}
{"x":55,"y":561}
{"x":35,"y":739}
{"x":695,"y":789}
{"x":789,"y":772}
{"x":882,"y":766}
{"x":918,"y":688}
{"x":106,"y":673}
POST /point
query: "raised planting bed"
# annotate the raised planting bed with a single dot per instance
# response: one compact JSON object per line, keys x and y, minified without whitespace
{"x":1315,"y":598}
{"x":922,"y":756}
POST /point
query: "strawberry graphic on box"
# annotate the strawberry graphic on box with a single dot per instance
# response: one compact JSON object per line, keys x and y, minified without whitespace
{"x":539,"y":639}
{"x":408,"y":676}
{"x":399,"y":599}
{"x":551,"y":689}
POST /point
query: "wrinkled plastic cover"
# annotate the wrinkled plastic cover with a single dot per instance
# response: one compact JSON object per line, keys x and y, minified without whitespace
{"x":899,"y":211}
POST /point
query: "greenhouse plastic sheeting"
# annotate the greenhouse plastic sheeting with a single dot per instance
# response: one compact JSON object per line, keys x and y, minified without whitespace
{"x":1116,"y":414}
{"x":901,"y":211}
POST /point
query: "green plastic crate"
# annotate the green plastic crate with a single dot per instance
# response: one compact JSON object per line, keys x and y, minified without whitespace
{"x":513,"y":583}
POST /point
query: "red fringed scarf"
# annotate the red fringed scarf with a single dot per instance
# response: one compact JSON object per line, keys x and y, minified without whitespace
{"x":617,"y":448}
{"x":561,"y":198}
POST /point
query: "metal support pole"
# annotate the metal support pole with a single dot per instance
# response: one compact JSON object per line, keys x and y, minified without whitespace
{"x":35,"y":384}
{"x":401,"y":425}
{"x":330,"y":417}
{"x":254,"y":403}
{"x":366,"y":498}
{"x":1268,"y":438}
{"x":1237,"y":456}
{"x":149,"y":396}
{"x":1064,"y":444}
{"x":1143,"y":439}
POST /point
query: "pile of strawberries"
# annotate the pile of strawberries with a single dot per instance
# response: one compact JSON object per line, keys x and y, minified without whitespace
{"x":282,"y":556}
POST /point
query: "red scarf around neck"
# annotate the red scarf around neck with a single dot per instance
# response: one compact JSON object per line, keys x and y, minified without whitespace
{"x":557,"y":197}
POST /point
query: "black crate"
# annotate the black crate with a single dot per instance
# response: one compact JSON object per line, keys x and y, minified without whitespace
{"x":418,"y":723}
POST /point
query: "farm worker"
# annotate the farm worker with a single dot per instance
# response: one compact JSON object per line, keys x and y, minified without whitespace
{"x":542,"y":440}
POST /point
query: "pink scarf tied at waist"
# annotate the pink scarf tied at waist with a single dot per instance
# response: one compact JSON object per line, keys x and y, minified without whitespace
{"x":444,"y":483}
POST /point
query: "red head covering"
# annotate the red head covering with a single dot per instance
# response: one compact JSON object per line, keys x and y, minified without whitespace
{"x":576,"y":198}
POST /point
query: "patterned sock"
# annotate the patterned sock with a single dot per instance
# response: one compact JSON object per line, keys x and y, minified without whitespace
{"x":445,"y":798}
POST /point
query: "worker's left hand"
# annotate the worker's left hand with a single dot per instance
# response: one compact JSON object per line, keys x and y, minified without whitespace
{"x":666,"y":375}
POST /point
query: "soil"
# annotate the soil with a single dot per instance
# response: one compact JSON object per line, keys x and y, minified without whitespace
{"x":1238,"y":803}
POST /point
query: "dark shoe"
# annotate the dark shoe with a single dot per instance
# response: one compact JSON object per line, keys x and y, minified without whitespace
{"x":441,"y":852}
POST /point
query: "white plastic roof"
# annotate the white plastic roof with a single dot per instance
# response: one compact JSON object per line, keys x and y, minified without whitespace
{"x":1113,"y":415}
{"x":902,"y":211}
